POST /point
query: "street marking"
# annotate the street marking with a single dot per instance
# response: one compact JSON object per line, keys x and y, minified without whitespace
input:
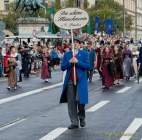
{"x":54,"y":134}
{"x":3,"y":80}
{"x":16,"y":97}
{"x":123,"y":89}
{"x":131,"y":130}
{"x":97,"y":106}
{"x":11,"y":124}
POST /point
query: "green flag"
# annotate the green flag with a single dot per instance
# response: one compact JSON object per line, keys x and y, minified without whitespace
{"x":50,"y":28}
{"x":51,"y":24}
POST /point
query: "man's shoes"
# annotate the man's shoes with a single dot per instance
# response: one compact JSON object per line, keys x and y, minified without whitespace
{"x":73,"y":127}
{"x":82,"y":123}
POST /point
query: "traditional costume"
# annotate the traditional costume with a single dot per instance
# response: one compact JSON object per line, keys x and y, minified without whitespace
{"x":118,"y":61}
{"x":127,"y":63}
{"x":76,"y":95}
{"x":45,"y":70}
{"x":107,"y":68}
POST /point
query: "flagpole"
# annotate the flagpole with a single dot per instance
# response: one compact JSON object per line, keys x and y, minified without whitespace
{"x":73,"y":49}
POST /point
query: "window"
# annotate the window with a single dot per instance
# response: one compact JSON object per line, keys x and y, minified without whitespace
{"x":6,"y":4}
{"x":78,"y":3}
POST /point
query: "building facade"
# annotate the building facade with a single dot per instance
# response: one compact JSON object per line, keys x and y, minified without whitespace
{"x":134,"y":8}
{"x":91,"y":3}
{"x":4,"y":6}
{"x":139,"y":19}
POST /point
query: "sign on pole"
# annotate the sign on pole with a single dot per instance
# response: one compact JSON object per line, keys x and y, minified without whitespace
{"x":70,"y":19}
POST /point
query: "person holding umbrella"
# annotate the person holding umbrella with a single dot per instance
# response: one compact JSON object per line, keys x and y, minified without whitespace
{"x":75,"y":88}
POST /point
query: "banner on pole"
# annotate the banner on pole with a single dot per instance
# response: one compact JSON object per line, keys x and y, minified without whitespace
{"x":109,"y":26}
{"x":96,"y":25}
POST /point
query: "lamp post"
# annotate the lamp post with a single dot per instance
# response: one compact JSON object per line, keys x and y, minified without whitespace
{"x":136,"y":20}
{"x":124,"y":19}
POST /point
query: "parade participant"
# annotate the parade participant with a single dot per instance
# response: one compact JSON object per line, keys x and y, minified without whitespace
{"x":11,"y":69}
{"x":75,"y":95}
{"x":26,"y":62}
{"x":54,"y":57}
{"x":33,"y":53}
{"x":107,"y":67}
{"x":140,"y":62}
{"x":45,"y":72}
{"x":127,"y":63}
{"x":19,"y":65}
{"x":1,"y":63}
{"x":92,"y":57}
{"x":98,"y":60}
{"x":118,"y":61}
{"x":6,"y":60}
{"x":135,"y":54}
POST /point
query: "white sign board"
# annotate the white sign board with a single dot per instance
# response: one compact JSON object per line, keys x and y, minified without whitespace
{"x":71,"y":18}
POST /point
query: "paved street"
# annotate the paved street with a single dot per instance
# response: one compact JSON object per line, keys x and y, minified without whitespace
{"x":39,"y":38}
{"x":34,"y":112}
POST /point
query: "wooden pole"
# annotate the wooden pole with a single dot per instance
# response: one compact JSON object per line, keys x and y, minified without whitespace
{"x":73,"y":49}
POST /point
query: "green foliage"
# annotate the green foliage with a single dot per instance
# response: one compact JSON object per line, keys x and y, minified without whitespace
{"x":103,"y":8}
{"x":110,"y":9}
{"x":57,"y":4}
{"x":70,"y":3}
{"x":85,"y":4}
{"x":11,"y":18}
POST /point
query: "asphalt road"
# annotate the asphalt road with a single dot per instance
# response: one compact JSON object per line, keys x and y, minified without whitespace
{"x":33,"y":112}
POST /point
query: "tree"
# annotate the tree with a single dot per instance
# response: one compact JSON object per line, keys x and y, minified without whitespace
{"x":70,"y":3}
{"x":57,"y":4}
{"x":85,"y":4}
{"x":12,"y":17}
{"x":110,"y":9}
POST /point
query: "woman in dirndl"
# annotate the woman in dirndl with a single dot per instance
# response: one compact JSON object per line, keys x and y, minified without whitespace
{"x":45,"y":69}
{"x":128,"y":70}
{"x":98,"y":60}
{"x":11,"y":69}
{"x":118,"y":61}
{"x":107,"y":68}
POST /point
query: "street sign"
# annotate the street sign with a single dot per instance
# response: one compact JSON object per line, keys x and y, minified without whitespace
{"x":71,"y":18}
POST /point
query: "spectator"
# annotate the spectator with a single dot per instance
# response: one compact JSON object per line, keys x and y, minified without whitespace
{"x":54,"y":58}
{"x":11,"y":69}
